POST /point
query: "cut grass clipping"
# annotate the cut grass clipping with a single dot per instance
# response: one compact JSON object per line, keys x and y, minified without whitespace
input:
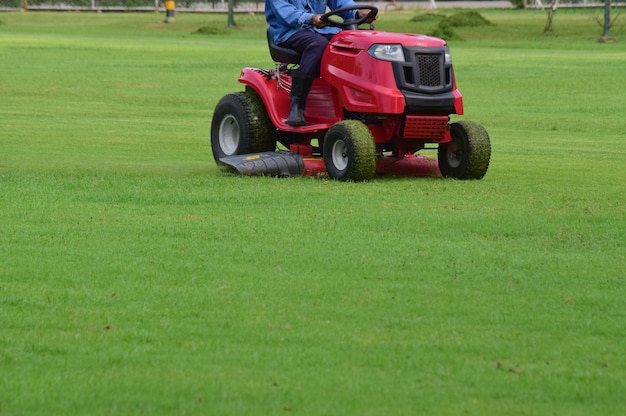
{"x":446,"y":25}
{"x":210,"y":30}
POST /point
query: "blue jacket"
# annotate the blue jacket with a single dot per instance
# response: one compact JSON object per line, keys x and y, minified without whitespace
{"x":286,"y":17}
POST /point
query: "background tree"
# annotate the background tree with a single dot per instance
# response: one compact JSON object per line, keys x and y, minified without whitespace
{"x":607,"y":18}
{"x":231,"y":13}
{"x":553,"y":7}
{"x":607,"y":23}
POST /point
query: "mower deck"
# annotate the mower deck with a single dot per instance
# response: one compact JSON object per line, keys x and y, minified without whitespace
{"x":290,"y":163}
{"x":410,"y":165}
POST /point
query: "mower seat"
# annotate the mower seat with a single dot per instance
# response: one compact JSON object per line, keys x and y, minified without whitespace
{"x":282,"y":55}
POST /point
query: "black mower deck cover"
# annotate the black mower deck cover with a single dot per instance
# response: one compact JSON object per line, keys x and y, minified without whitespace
{"x":282,"y":163}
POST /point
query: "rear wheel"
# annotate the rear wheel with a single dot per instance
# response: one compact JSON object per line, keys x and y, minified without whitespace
{"x":240,"y":125}
{"x":349,"y":151}
{"x":468,"y":155}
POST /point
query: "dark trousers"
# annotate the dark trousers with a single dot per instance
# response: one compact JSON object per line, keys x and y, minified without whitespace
{"x":311,"y":45}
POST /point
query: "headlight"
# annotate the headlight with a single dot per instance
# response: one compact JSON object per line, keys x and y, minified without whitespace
{"x":387,"y":52}
{"x":448,"y":57}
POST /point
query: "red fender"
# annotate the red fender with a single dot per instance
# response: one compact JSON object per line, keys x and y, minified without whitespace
{"x":320,"y":108}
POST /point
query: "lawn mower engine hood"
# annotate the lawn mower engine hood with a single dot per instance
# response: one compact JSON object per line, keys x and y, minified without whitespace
{"x":390,"y":73}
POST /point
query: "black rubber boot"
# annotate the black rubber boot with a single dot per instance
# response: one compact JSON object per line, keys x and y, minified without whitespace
{"x":300,"y":87}
{"x":296,"y":115}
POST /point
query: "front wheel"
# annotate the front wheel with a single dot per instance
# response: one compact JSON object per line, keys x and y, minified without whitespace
{"x":349,"y":151}
{"x":240,"y":125}
{"x":468,"y":155}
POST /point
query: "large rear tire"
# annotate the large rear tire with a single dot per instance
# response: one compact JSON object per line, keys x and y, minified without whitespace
{"x":240,"y":125}
{"x":468,"y":155}
{"x":349,"y":151}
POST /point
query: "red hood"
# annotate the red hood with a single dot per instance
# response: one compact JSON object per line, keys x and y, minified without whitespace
{"x":363,"y":39}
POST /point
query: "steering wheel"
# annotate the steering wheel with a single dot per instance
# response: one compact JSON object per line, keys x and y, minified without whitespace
{"x":349,"y":24}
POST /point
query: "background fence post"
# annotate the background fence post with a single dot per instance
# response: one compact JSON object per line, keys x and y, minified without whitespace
{"x":170,"y":9}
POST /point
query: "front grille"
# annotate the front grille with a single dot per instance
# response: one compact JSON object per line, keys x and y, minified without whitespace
{"x":429,"y":70}
{"x":424,"y":72}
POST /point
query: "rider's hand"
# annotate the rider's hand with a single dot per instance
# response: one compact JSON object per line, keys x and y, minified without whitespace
{"x":363,"y":13}
{"x":317,"y":22}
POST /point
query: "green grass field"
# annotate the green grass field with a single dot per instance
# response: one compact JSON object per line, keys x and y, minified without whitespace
{"x":136,"y":278}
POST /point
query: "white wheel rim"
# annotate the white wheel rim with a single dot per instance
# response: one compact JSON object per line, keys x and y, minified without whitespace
{"x":339,"y":155}
{"x":229,"y":135}
{"x":454,"y":155}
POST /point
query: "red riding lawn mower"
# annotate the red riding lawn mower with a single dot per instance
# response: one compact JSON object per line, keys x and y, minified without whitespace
{"x":381,"y":98}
